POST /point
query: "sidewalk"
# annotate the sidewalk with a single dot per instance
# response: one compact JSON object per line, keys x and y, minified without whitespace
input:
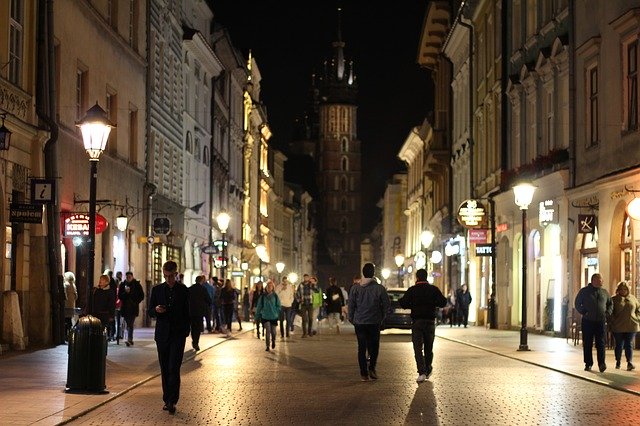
{"x":32,"y":383}
{"x":554,"y":353}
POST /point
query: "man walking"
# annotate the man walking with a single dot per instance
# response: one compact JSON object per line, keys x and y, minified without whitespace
{"x":199,"y":305}
{"x":594,"y":304}
{"x":368,"y":305}
{"x":169,"y":304}
{"x":130,"y":294}
{"x":285,"y":293}
{"x":304,"y":296}
{"x":424,"y":300}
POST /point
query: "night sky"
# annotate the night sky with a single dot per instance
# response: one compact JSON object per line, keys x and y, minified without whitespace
{"x":290,"y":40}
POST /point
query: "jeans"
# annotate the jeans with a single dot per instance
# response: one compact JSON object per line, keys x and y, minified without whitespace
{"x":228,"y":315}
{"x":285,"y":315}
{"x":129,"y":320}
{"x":170,"y":353}
{"x":306,"y":312}
{"x":269,"y":332}
{"x":196,"y":330}
{"x":624,"y":339}
{"x":368,"y":342}
{"x":423,"y":331}
{"x":593,"y":330}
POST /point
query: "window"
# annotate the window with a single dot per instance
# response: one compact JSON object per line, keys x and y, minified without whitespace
{"x":189,"y":143}
{"x":133,"y":23}
{"x":632,"y":85}
{"x":592,"y":117}
{"x":345,"y":164}
{"x":345,"y":145}
{"x":112,"y":114}
{"x":343,"y":183}
{"x":343,"y":226}
{"x":81,"y":89}
{"x":112,"y":13}
{"x":205,"y":156}
{"x":133,"y":135}
{"x":16,"y":29}
{"x":196,"y":149}
{"x":343,"y":204}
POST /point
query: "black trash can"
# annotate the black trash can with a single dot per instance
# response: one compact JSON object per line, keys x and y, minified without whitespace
{"x":87,"y":356}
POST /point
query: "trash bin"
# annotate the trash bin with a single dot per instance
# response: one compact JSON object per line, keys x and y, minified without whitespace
{"x":87,"y":356}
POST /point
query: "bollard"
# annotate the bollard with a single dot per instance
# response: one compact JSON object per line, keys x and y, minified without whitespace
{"x":87,"y":356}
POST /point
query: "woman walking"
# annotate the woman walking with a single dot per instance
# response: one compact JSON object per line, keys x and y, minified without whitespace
{"x":255,"y":297}
{"x":268,"y":311}
{"x":227,"y":297}
{"x":624,"y":323}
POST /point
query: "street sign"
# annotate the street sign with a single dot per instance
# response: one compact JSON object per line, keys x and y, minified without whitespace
{"x":237,"y":273}
{"x":77,"y":224}
{"x":162,"y":225}
{"x":210,"y":250}
{"x":25,"y":213}
{"x":43,"y":191}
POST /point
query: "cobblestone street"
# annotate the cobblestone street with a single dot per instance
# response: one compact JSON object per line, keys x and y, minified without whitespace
{"x":316,"y":381}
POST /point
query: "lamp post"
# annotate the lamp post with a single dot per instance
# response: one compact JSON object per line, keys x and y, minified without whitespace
{"x":95,"y":128}
{"x":399,"y":259}
{"x":386,"y":273}
{"x":223,"y":219}
{"x":426,"y":238}
{"x":261,"y":251}
{"x":280,"y":268}
{"x":523,"y":194}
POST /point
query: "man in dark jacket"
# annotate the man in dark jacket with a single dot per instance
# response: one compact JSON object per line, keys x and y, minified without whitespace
{"x":199,"y":305}
{"x":169,"y":304}
{"x":368,"y":305}
{"x":424,"y":300}
{"x":463,"y":300}
{"x":334,"y":303}
{"x":130,"y":294}
{"x":595,"y":305}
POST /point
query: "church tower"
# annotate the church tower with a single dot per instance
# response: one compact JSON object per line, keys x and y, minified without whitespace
{"x":338,"y":169}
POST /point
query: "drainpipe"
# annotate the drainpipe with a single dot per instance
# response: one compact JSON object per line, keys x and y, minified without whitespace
{"x":46,"y":112}
{"x":572,"y":90}
{"x":471,"y":89}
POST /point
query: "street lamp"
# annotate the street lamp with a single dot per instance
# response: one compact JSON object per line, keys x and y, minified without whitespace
{"x":261,"y":251}
{"x":293,"y":277}
{"x":426,"y":238}
{"x":223,"y":219}
{"x":523,"y":194}
{"x":399,"y":262}
{"x":280,"y":268}
{"x":95,"y":128}
{"x":386,"y":273}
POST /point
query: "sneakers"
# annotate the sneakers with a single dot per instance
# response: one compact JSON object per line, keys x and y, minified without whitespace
{"x":630,"y":366}
{"x":364,"y":378}
{"x":602,"y":367}
{"x":372,"y":374}
{"x":618,"y":365}
{"x":421,"y":378}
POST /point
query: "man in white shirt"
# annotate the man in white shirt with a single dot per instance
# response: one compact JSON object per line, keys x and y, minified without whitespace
{"x":285,"y":292}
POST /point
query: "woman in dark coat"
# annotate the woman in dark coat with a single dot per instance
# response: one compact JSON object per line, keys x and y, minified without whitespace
{"x":104,"y":302}
{"x":199,"y":304}
{"x":258,"y":291}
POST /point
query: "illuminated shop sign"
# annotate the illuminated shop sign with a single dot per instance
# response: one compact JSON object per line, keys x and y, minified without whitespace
{"x":547,"y":212}
{"x":587,"y":223}
{"x":77,"y":224}
{"x":472,"y":214}
{"x":477,"y":236}
{"x":484,"y":250}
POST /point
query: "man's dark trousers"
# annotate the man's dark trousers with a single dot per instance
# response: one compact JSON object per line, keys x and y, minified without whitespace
{"x":368,"y":342}
{"x":170,"y":354}
{"x":593,"y":330}
{"x":423,"y":331}
{"x":285,"y":315}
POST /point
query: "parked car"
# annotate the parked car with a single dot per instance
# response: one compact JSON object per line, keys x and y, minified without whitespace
{"x":397,"y":317}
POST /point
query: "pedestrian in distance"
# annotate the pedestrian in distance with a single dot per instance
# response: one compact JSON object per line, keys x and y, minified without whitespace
{"x":334,"y":303}
{"x":256,"y":294}
{"x":113,"y":286}
{"x":594,"y":304}
{"x":316,"y":302}
{"x":70,"y":297}
{"x":246,"y":304}
{"x":424,"y":300}
{"x":286,"y":294}
{"x":368,"y":305}
{"x":209,"y":313}
{"x":199,"y":305}
{"x":624,"y":321}
{"x":130,"y":294}
{"x":268,"y":312}
{"x":463,"y":300}
{"x":236,"y":305}
{"x":304,"y":297}
{"x":227,"y":300}
{"x":104,"y":304}
{"x":169,"y":305}
{"x":217,"y":305}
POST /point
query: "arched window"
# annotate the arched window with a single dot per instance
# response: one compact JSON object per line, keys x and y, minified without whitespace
{"x":343,"y":183}
{"x":343,"y":204}
{"x":345,"y":164}
{"x":343,"y":225}
{"x":189,"y":143}
{"x":196,"y":149}
{"x":205,"y":156}
{"x":345,"y":145}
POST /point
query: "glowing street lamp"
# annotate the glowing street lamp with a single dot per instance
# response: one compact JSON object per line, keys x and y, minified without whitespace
{"x":280,"y":268}
{"x":523,"y":194}
{"x":261,"y":251}
{"x":223,"y":220}
{"x":386,"y":273}
{"x":293,"y":277}
{"x":399,"y":259}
